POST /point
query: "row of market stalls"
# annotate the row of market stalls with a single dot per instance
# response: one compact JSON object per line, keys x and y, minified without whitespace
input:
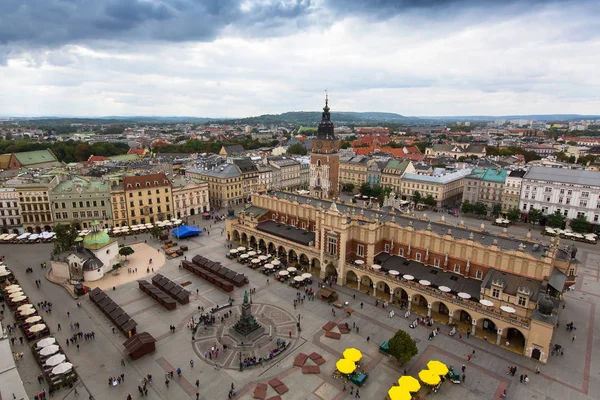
{"x":27,"y":237}
{"x":568,"y":234}
{"x":215,"y":273}
{"x":56,"y":368}
{"x":171,"y":288}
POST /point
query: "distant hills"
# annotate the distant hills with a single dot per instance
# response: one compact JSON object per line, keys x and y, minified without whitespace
{"x":307,"y":118}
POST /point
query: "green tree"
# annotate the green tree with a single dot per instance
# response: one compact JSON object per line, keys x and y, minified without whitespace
{"x":65,"y":237}
{"x":126,"y":251}
{"x":365,"y":189}
{"x":345,"y":145}
{"x":513,"y":214}
{"x":297,"y":149}
{"x":376,"y":190}
{"x":429,"y":201}
{"x":496,"y":209}
{"x":348,"y":187}
{"x":480,"y":208}
{"x":417,"y":198}
{"x":556,"y":220}
{"x":467,"y":207}
{"x":385,"y":192}
{"x":580,"y":224}
{"x":402,"y":347}
{"x":156,"y":231}
{"x":535,"y":215}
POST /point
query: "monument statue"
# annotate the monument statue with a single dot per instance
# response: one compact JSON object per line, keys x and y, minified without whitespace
{"x":245,"y":297}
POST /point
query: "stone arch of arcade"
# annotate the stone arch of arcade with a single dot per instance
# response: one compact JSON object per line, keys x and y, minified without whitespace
{"x":315,"y":266}
{"x":252,"y":243}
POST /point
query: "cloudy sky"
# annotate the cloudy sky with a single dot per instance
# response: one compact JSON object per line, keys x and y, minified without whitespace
{"x":236,"y":58}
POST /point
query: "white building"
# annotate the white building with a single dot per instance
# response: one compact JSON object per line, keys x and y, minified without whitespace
{"x":190,"y":197}
{"x":10,"y":217}
{"x":571,"y":192}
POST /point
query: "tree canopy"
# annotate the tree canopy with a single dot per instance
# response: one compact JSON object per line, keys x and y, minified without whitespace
{"x":67,"y":151}
{"x":65,"y":237}
{"x":403,"y":347}
{"x":580,"y":224}
{"x":297,"y":149}
{"x":126,"y":251}
{"x":556,"y":220}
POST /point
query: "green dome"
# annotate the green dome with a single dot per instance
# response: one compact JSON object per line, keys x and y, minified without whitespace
{"x":96,"y":239}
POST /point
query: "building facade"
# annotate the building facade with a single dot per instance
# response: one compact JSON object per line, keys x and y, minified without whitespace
{"x":393,"y":172}
{"x":10,"y":217}
{"x":286,"y":173}
{"x":190,"y":197}
{"x":353,"y":170}
{"x":148,"y":198}
{"x":568,"y":191}
{"x":343,"y":242}
{"x":485,"y":186}
{"x":456,"y":150}
{"x":324,"y":159}
{"x":34,"y":202}
{"x":446,"y":188}
{"x":512,"y":190}
{"x":81,"y":201}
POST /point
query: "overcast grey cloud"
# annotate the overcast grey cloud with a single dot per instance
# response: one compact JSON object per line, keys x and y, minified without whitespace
{"x":245,"y":57}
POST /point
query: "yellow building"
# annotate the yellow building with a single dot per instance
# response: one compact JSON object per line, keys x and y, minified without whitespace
{"x":190,"y":197}
{"x":34,"y":202}
{"x":493,"y":286}
{"x":141,"y":199}
{"x":353,"y":170}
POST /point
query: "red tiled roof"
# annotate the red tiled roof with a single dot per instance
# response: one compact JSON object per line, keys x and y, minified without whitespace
{"x":139,"y":152}
{"x":145,"y":181}
{"x":94,"y":158}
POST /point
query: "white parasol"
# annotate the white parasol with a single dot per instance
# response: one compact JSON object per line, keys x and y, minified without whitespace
{"x":55,"y":359}
{"x":45,"y":342}
{"x":233,"y":251}
{"x":28,"y":311}
{"x":262,"y":258}
{"x":14,"y":290}
{"x":241,"y":248}
{"x":445,"y":289}
{"x":508,"y":309}
{"x":298,"y":278}
{"x":291,"y":269}
{"x":307,"y":275}
{"x":283,"y":273}
{"x":34,"y":319}
{"x":424,"y":282}
{"x":15,"y":294}
{"x":275,"y":262}
{"x":14,"y":286}
{"x":244,"y":256}
{"x":393,"y":272}
{"x":409,"y":277}
{"x":486,"y":303}
{"x":25,"y":307}
{"x":62,"y":368}
{"x":376,"y":267}
{"x":269,"y":266}
{"x":359,"y":262}
{"x":49,"y":350}
{"x":255,"y":261}
{"x":20,"y":298}
{"x":464,"y":295}
{"x":251,"y":253}
{"x":37,"y":328}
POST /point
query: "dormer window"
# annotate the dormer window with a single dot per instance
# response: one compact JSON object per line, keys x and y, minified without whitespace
{"x":147,"y":183}
{"x":129,"y":185}
{"x":137,"y":184}
{"x":156,"y":182}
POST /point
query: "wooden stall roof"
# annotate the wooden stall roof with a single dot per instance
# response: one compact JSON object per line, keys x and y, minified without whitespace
{"x":138,"y":340}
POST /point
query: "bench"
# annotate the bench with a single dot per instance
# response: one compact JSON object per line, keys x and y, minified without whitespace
{"x":311,"y":369}
{"x":333,"y":335}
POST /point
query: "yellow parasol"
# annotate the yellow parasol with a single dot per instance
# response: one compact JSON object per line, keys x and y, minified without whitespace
{"x":399,"y":393}
{"x":437,"y":367}
{"x":409,"y":383}
{"x":352,"y":354}
{"x":345,"y":366}
{"x":429,"y":378}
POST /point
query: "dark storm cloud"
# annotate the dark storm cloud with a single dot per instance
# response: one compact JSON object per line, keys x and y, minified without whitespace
{"x":33,"y":24}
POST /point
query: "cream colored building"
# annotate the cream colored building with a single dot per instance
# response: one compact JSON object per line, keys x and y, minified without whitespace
{"x":353,"y":170}
{"x":230,"y":183}
{"x":394,"y":172}
{"x":344,"y":241}
{"x":446,"y":188}
{"x":34,"y":202}
{"x":190,"y":197}
{"x":10,"y":217}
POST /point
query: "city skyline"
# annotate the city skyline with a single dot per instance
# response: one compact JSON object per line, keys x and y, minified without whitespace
{"x":244,"y":58}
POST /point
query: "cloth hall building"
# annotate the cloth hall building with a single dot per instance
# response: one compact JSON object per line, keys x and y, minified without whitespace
{"x":501,"y":289}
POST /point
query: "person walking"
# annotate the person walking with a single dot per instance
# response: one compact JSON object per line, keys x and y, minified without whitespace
{"x":192,"y":363}
{"x":573,"y":338}
{"x":368,"y":339}
{"x":463,"y":368}
{"x":357,"y":396}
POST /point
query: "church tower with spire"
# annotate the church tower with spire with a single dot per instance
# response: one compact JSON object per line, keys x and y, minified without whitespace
{"x":324,"y":159}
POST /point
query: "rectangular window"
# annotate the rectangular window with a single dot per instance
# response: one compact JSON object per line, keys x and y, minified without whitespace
{"x":418,"y":256}
{"x":495,"y":293}
{"x":401,"y":252}
{"x":585,"y":195}
{"x":479,"y":274}
{"x":582,"y":203}
{"x":457,"y":268}
{"x":386,"y":248}
{"x":522,"y":301}
{"x":571,"y":271}
{"x":332,"y":245}
{"x":360,"y":250}
{"x":436,"y":262}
